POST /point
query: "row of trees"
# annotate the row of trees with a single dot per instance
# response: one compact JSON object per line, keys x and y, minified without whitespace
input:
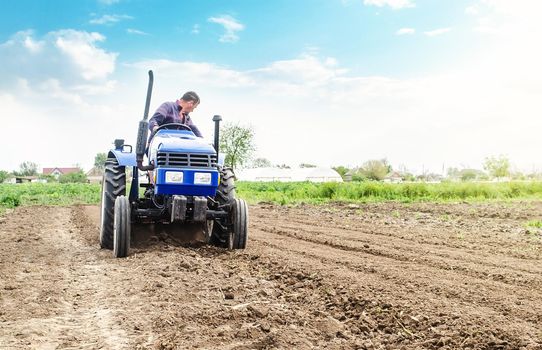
{"x":378,"y":169}
{"x":30,"y":169}
{"x":238,"y":143}
{"x":25,"y":169}
{"x":495,"y":167}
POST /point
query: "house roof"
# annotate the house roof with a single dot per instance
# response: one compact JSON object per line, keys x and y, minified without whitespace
{"x":95,"y":172}
{"x":63,"y":171}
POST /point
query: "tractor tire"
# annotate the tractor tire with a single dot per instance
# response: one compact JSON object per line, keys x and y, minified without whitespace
{"x":113,"y":185}
{"x":225,"y":194}
{"x":122,"y":227}
{"x":240,"y":224}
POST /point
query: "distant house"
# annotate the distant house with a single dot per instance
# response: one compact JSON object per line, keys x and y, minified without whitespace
{"x":393,"y":177}
{"x":57,"y":172}
{"x":24,"y":179}
{"x":317,"y":174}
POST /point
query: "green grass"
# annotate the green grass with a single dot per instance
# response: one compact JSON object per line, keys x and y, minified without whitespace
{"x":294,"y":192}
{"x":291,"y":192}
{"x":534,"y":223}
{"x":533,"y":227}
{"x":48,"y":194}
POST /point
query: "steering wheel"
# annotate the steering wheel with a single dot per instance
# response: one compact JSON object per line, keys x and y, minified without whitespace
{"x":173,"y":126}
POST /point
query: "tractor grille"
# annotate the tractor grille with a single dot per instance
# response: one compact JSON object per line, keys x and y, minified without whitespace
{"x":186,"y":160}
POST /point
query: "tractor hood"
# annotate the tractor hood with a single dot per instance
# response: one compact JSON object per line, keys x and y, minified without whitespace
{"x":182,"y":141}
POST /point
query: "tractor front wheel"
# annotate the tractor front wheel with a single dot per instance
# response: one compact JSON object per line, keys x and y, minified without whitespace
{"x":237,"y":237}
{"x":122,"y":227}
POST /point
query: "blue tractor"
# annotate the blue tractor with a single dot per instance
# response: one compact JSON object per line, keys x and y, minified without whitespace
{"x":188,"y":185}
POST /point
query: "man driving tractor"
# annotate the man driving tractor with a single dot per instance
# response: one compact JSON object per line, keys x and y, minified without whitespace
{"x":176,"y":112}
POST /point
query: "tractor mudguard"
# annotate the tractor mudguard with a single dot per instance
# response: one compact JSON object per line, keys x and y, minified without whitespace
{"x":123,"y":158}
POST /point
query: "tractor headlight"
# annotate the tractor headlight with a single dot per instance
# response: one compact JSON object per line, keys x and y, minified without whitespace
{"x":174,"y":177}
{"x":202,"y":178}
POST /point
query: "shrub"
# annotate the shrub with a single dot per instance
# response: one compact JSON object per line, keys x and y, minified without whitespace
{"x":10,"y":200}
{"x":77,"y":177}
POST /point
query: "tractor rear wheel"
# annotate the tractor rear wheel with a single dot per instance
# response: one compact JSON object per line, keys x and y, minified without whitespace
{"x":225,"y":193}
{"x":113,"y":185}
{"x":122,"y":227}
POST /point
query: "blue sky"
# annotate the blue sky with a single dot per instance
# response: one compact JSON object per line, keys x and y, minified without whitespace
{"x":426,"y":84}
{"x":360,"y":36}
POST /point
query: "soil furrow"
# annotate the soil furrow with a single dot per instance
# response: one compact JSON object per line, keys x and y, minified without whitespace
{"x":451,"y":285}
{"x":444,"y":258}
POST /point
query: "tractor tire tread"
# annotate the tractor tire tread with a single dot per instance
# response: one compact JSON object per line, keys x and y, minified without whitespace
{"x":113,"y":185}
{"x":225,"y":195}
{"x":122,"y":227}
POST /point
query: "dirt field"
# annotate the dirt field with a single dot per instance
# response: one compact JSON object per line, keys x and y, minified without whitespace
{"x":375,"y":276}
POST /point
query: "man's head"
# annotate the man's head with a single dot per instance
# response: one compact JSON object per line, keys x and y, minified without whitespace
{"x":189,"y":101}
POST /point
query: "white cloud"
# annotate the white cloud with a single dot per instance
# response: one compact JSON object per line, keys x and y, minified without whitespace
{"x":472,"y":10}
{"x":437,"y":32}
{"x":518,"y":18}
{"x":109,"y":19}
{"x":94,"y":63}
{"x":200,"y":73}
{"x":394,"y":4}
{"x":231,"y":26}
{"x":406,"y":31}
{"x":195,"y":29}
{"x":33,"y":46}
{"x":135,"y":31}
{"x":71,"y":58}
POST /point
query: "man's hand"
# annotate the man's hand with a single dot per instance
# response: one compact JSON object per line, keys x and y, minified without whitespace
{"x":155,"y":128}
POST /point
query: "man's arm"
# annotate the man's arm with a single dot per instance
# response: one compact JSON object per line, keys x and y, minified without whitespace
{"x":158,"y":117}
{"x":195,"y":130}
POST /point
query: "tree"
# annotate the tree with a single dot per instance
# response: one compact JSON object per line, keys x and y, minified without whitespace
{"x":358,"y":177}
{"x":469,"y":174}
{"x":406,"y":176}
{"x":4,"y":175}
{"x":238,"y":143}
{"x":77,"y":177}
{"x":497,"y":166}
{"x":453,"y":173}
{"x":261,"y":163}
{"x":375,"y":169}
{"x":27,"y":169}
{"x":342,"y":170}
{"x":99,"y":161}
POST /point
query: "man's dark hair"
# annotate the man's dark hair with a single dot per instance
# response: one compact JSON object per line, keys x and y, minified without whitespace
{"x":190,"y":96}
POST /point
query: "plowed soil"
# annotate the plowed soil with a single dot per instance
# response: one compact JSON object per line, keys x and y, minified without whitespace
{"x":371,"y":276}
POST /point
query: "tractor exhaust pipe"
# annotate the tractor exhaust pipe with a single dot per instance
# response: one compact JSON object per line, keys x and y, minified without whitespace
{"x":217,"y":119}
{"x":143,"y":130}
